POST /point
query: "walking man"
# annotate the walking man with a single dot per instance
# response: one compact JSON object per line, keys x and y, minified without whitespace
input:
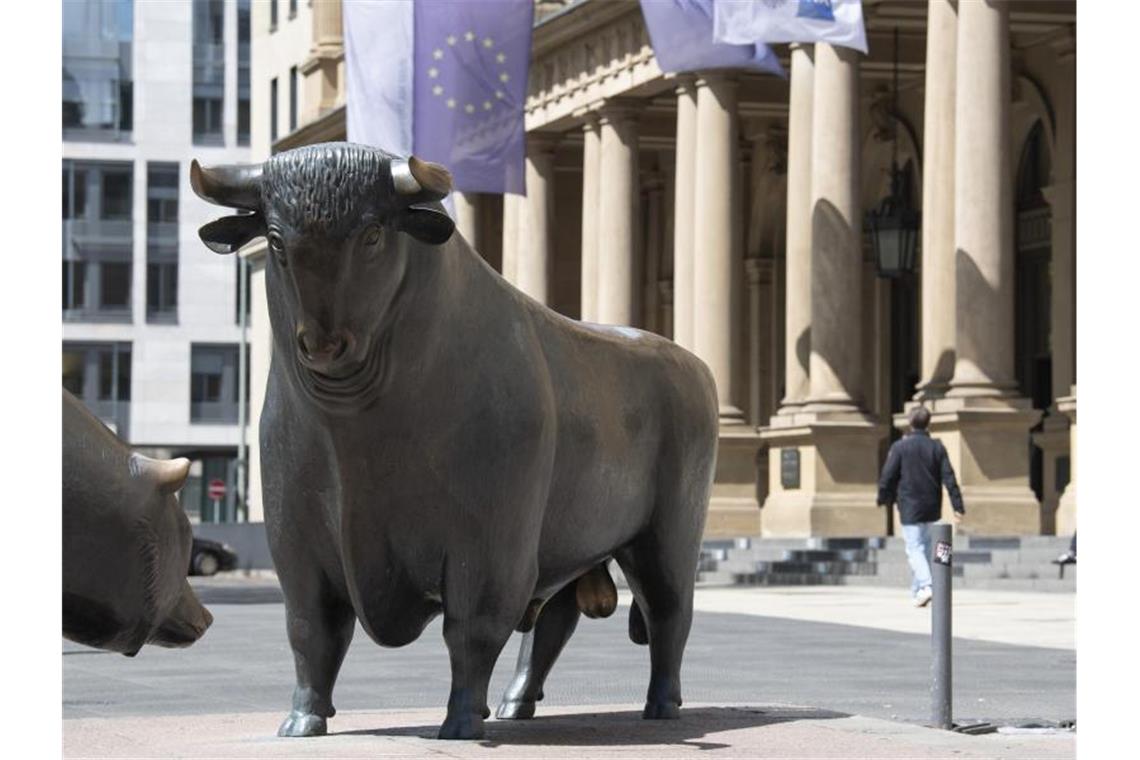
{"x":917,"y":467}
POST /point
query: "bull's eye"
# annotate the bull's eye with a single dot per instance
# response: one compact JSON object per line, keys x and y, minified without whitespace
{"x":277,"y":245}
{"x":372,"y":236}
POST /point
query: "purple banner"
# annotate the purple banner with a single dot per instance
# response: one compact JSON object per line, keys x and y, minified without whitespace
{"x":471,"y":62}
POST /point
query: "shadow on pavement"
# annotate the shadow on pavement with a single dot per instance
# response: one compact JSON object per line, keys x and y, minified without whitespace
{"x":214,"y":592}
{"x":625,"y":728}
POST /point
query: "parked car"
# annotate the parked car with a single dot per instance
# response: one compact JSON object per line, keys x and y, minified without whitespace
{"x":208,"y":557}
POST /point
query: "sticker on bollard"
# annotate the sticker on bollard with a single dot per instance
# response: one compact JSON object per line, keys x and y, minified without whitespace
{"x":943,"y":554}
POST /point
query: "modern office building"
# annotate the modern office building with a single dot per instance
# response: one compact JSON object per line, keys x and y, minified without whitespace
{"x":151,"y":324}
{"x":749,"y":218}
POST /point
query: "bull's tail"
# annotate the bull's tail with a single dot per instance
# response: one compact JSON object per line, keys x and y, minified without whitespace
{"x":637,"y":631}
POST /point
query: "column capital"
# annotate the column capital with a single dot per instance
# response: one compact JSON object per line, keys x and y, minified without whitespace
{"x":542,"y":143}
{"x":686,"y":84}
{"x":717,"y":79}
{"x":589,"y":116}
{"x":1065,"y":45}
{"x":620,"y":110}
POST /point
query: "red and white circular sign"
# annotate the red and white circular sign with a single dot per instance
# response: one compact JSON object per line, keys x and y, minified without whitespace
{"x":216,"y":489}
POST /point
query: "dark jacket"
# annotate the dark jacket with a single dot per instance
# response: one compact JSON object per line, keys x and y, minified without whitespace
{"x":917,"y":467}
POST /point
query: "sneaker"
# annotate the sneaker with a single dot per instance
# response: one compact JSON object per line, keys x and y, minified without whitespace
{"x":923,"y":597}
{"x":1068,"y":558}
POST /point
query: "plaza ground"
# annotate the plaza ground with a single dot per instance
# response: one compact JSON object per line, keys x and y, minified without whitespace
{"x":820,"y":672}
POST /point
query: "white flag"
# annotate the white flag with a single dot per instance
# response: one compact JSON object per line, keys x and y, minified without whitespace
{"x":378,"y":43}
{"x":837,"y":22}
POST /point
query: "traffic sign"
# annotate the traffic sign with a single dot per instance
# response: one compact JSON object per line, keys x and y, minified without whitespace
{"x":216,"y":489}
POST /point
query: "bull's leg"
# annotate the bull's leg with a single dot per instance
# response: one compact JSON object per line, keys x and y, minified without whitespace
{"x":539,"y":649}
{"x":320,"y":626}
{"x":661,"y":573}
{"x":474,"y":644}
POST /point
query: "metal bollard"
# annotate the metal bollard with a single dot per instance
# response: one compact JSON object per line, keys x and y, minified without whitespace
{"x":941,"y":570}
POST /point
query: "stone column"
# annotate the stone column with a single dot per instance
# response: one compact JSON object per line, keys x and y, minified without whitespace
{"x":654,"y":227}
{"x":717,"y":255}
{"x":1062,"y":197}
{"x":511,"y":229}
{"x":535,"y":248}
{"x":938,"y":271}
{"x":322,"y":70}
{"x":983,"y":228}
{"x":665,"y":292}
{"x":467,"y":216}
{"x":981,"y":420}
{"x":797,"y":326}
{"x":591,"y":168}
{"x":683,"y":187}
{"x":823,"y":450}
{"x":618,"y":205}
{"x":1066,"y":517}
{"x":836,"y":252}
{"x":759,"y":273}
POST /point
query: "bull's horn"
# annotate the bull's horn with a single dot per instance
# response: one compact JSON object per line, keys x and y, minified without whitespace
{"x":420,"y":180}
{"x":168,"y":474}
{"x":234,"y":185}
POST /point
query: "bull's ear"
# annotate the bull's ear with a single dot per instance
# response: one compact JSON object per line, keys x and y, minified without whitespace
{"x":230,"y":233}
{"x":427,"y":223}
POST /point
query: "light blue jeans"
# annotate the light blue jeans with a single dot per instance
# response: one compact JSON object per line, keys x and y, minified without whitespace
{"x":917,"y":538}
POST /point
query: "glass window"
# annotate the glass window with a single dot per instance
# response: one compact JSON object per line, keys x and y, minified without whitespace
{"x":116,"y":284}
{"x":161,"y":193}
{"x":116,"y":197}
{"x":292,"y":8}
{"x":74,"y":284}
{"x":99,"y":374}
{"x":243,"y":73}
{"x":273,"y":110}
{"x":214,"y":383}
{"x":161,"y":291}
{"x":97,"y":80}
{"x":97,"y":241}
{"x":209,"y":70}
{"x":73,"y":371}
{"x":272,"y":15}
{"x":292,"y":98}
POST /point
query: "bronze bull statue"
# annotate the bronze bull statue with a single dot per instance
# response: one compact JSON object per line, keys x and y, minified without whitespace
{"x":126,"y":543}
{"x":436,"y":442}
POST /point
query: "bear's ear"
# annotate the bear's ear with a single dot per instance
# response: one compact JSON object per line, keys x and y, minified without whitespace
{"x":168,"y":475}
{"x":230,"y":233}
{"x":427,"y":223}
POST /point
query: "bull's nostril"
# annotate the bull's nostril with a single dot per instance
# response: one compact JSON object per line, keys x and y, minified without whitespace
{"x":303,"y":344}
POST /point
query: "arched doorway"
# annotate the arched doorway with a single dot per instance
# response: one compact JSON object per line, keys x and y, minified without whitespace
{"x":1033,"y":359}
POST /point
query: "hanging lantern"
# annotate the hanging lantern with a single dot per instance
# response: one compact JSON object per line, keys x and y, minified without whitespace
{"x":894,"y":231}
{"x":894,"y":224}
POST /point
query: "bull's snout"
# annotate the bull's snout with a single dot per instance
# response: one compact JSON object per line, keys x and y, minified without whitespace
{"x":324,"y":352}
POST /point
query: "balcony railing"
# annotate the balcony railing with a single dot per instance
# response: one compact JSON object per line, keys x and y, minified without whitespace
{"x":98,"y":238}
{"x":1034,"y":229}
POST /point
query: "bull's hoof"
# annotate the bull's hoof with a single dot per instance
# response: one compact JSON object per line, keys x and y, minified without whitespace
{"x":661,"y":711}
{"x":462,"y":726}
{"x":303,"y":724}
{"x":515,"y":710}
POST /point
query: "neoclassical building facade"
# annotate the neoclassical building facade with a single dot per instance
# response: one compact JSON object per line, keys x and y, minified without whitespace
{"x":726,"y":210}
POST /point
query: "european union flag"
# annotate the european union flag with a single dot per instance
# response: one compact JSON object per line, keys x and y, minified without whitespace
{"x":471,"y":62}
